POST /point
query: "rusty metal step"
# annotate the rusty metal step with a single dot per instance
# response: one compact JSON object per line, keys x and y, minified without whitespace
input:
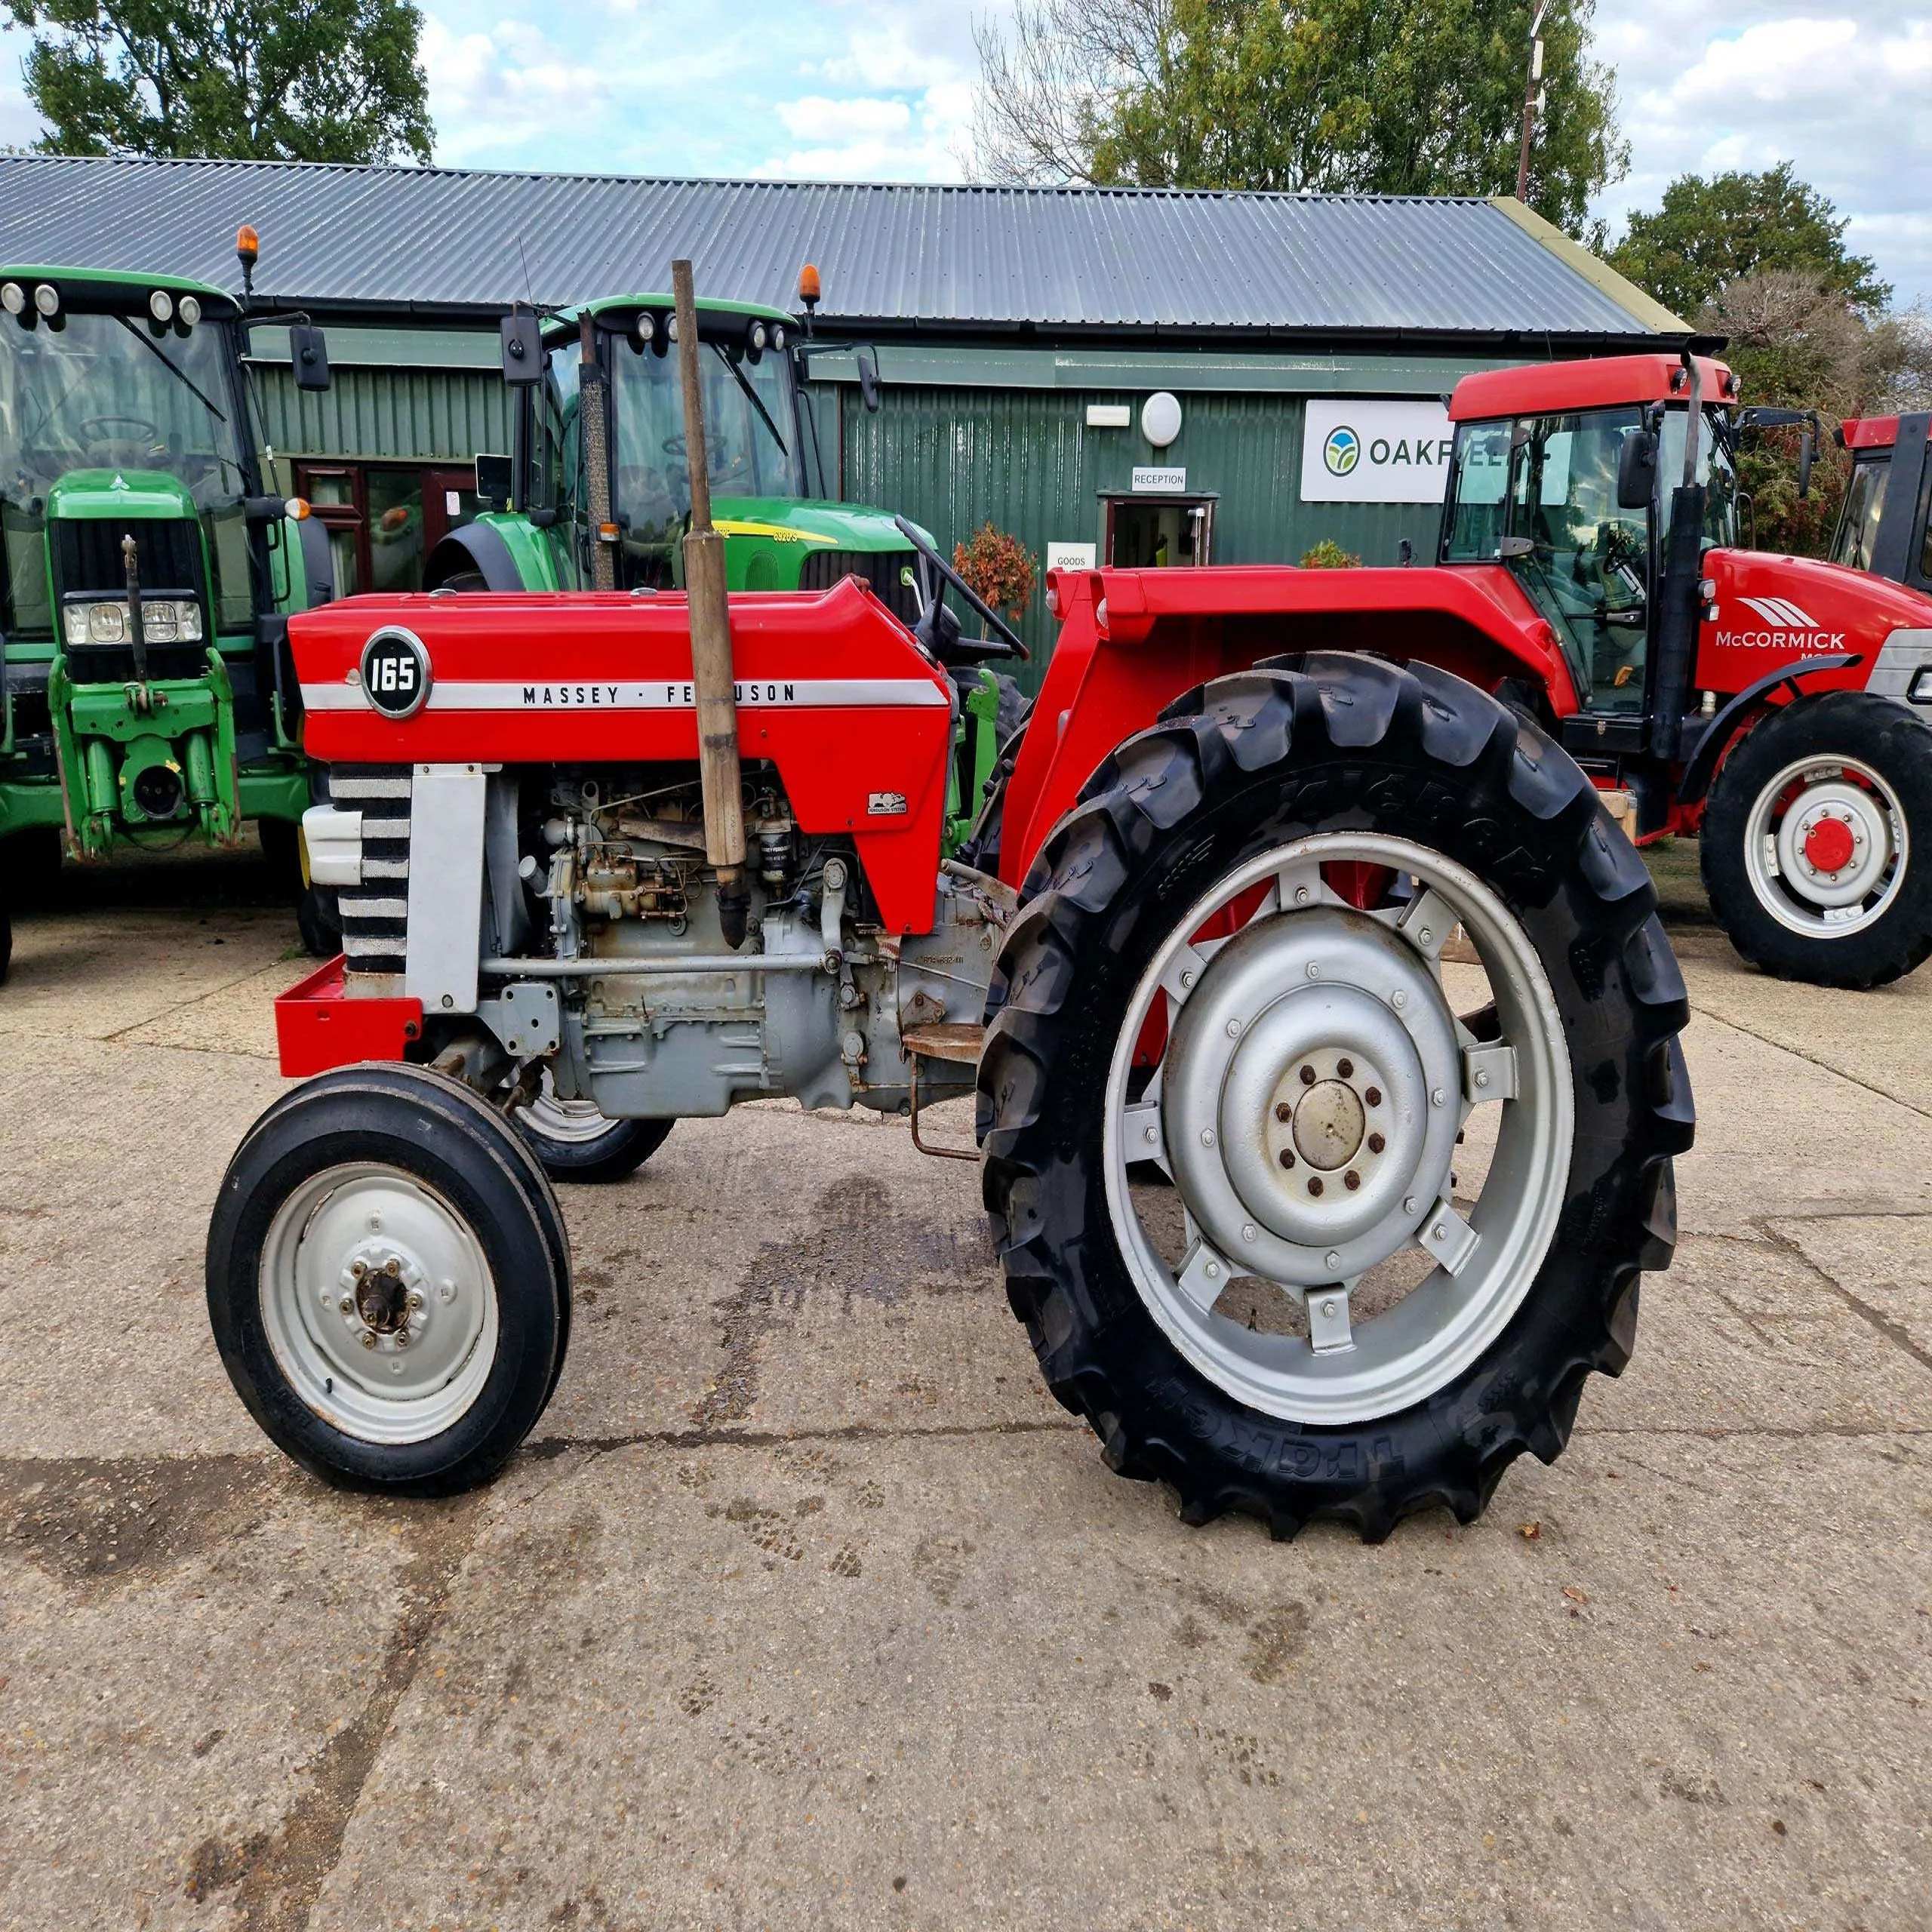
{"x":960,"y":1043}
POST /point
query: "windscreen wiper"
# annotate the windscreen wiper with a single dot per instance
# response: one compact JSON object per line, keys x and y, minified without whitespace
{"x":751,"y":395}
{"x":153,"y":347}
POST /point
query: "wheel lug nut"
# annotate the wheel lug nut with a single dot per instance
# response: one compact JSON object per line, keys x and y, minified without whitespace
{"x":1344,"y":1068}
{"x":1375,"y":1143}
{"x":359,"y":1269}
{"x":1283,"y":1112}
{"x":1288,"y":1157}
{"x":1314,"y":1184}
{"x":415,"y":1300}
{"x":348,"y":1304}
{"x":368,"y":1338}
{"x":1308,"y":1076}
{"x":1351,"y":1180}
{"x":1373,"y":1096}
{"x":1436,"y":1097}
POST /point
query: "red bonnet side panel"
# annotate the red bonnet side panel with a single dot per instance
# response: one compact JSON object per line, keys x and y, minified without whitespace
{"x":831,"y":689}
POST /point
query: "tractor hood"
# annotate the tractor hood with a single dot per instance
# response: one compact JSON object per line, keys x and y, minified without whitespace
{"x":790,"y":520}
{"x":1800,"y":606}
{"x":118,"y":495}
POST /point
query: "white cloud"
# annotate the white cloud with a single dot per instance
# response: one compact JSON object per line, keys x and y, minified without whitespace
{"x":818,"y":118}
{"x":504,"y":87}
{"x":1746,"y":83}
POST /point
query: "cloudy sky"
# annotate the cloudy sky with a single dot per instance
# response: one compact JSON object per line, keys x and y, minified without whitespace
{"x":862,"y":89}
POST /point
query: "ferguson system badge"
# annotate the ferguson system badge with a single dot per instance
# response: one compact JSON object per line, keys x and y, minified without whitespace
{"x":395,"y":671}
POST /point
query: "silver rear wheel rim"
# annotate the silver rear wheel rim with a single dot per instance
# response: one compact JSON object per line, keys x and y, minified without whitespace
{"x":379,"y":1305}
{"x":574,"y":1123}
{"x":1484,"y":1266}
{"x":1802,"y":899}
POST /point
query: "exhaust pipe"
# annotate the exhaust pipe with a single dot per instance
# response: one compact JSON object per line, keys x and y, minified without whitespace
{"x":711,"y":642}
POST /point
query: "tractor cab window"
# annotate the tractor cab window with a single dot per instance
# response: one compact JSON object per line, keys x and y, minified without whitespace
{"x":750,"y":426}
{"x":105,"y":394}
{"x":1716,"y":471}
{"x":1857,"y":536}
{"x":1583,"y":562}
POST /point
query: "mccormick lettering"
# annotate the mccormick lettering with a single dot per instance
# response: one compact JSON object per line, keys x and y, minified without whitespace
{"x":1782,"y":640}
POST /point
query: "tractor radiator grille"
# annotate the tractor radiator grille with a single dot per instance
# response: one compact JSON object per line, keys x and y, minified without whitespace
{"x":375,"y":915}
{"x":86,"y":556}
{"x":880,"y":569}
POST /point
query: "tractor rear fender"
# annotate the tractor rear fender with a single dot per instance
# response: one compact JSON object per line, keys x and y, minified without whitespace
{"x":1131,"y":642}
{"x":504,"y":552}
{"x":1742,"y":713}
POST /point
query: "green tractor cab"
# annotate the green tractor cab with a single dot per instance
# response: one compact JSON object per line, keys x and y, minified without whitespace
{"x":596,"y":493}
{"x":145,"y":579}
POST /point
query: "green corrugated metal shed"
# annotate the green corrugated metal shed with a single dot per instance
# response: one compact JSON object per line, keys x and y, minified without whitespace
{"x":1005,"y":319}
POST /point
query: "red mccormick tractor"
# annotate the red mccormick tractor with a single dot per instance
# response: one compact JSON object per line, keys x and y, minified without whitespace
{"x":1327,"y":1059}
{"x":1776,"y":706}
{"x":1882,"y":525}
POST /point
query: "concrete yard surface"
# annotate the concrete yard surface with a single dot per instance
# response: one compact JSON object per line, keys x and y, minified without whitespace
{"x":807,"y":1607}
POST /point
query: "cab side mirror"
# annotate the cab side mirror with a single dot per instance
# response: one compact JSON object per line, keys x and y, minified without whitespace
{"x":495,"y":483}
{"x":523,"y":351}
{"x":1637,"y":471}
{"x":869,"y":389}
{"x":309,"y":350}
{"x":1807,"y":454}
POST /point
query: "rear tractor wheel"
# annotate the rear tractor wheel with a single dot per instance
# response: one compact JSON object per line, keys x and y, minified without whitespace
{"x":1816,"y":848}
{"x":389,"y":1282}
{"x":1411,"y":1194}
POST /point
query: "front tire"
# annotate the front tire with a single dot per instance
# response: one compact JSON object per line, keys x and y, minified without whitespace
{"x":1817,"y":846}
{"x":1241,"y":925}
{"x":388,"y":1282}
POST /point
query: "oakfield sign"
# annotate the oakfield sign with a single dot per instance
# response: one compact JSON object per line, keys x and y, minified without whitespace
{"x":1355,"y":451}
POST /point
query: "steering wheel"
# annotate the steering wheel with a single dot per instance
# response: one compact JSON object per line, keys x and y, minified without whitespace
{"x":102,"y":424}
{"x":1014,"y":647}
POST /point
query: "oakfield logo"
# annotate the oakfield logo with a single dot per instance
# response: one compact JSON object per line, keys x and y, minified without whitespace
{"x":1342,"y":451}
{"x":1781,"y":614}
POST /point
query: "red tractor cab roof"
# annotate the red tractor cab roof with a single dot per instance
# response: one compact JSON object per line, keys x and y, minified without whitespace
{"x":1554,"y":389}
{"x":1871,"y":433}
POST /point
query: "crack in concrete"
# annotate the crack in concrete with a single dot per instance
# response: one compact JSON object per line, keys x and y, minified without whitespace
{"x":182,"y":1006}
{"x":271,"y":1880}
{"x":1810,"y":1059}
{"x":1880,"y":1322}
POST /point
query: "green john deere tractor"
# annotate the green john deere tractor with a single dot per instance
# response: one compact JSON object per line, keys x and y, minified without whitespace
{"x":145,"y":578}
{"x":596,"y":493}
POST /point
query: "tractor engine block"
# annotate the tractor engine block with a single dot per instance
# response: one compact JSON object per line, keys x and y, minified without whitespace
{"x":601,"y":957}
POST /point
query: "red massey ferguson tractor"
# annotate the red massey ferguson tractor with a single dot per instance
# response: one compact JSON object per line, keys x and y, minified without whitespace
{"x":1323,"y":1036}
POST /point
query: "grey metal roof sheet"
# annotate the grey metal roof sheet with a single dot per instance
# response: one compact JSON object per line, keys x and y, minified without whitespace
{"x":891,"y":255}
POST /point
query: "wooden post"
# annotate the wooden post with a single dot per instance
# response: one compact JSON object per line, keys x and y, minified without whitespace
{"x":710,"y":639}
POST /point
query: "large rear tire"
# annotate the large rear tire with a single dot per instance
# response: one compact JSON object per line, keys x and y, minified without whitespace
{"x":1338,"y":816}
{"x":389,"y":1282}
{"x":1817,"y":847}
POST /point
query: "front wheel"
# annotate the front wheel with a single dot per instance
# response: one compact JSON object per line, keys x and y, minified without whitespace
{"x":388,"y":1282}
{"x":1414,"y":1178}
{"x":575,"y":1142}
{"x":1817,"y":846}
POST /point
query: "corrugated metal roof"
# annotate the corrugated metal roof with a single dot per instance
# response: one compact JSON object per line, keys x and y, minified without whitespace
{"x":891,"y":255}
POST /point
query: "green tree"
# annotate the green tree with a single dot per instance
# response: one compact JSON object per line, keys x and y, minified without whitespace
{"x":256,"y":80}
{"x":1378,"y":97}
{"x":1796,"y":343}
{"x":1708,"y":233}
